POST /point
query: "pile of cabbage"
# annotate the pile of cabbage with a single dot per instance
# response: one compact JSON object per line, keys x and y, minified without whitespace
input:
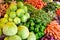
{"x":10,"y":24}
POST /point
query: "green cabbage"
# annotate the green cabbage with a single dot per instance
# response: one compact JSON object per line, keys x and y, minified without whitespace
{"x":24,"y":18}
{"x":12,"y":14}
{"x":15,"y":37}
{"x":13,"y":7}
{"x":17,"y":20}
{"x":3,"y":20}
{"x":23,"y":32}
{"x":31,"y":36}
{"x":10,"y":29}
{"x":20,"y":12}
{"x":20,"y":4}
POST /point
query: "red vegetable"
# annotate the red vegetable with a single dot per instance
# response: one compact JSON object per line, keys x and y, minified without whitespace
{"x":58,"y":11}
{"x":39,"y":4}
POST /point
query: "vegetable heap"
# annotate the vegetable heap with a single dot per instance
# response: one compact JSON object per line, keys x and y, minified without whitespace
{"x":17,"y":13}
{"x":46,"y":17}
{"x":38,"y":20}
{"x":36,"y":26}
{"x":51,"y":6}
{"x":28,"y":20}
{"x":39,"y":4}
{"x":42,"y":15}
{"x":53,"y":28}
{"x":9,"y":25}
{"x":14,"y":32}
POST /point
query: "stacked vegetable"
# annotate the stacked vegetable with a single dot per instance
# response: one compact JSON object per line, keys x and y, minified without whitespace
{"x":38,"y":20}
{"x":17,"y":13}
{"x":36,"y":26}
{"x":9,"y":25}
{"x":53,"y":28}
{"x":28,"y":21}
{"x":39,"y":4}
{"x":51,"y":6}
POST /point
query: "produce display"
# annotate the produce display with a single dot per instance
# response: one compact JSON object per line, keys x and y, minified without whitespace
{"x":29,"y":20}
{"x":17,"y":13}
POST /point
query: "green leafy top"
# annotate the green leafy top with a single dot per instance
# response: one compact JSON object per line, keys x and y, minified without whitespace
{"x":42,"y":15}
{"x":51,"y":6}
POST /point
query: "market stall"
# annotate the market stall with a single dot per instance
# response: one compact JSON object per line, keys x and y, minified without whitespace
{"x":29,"y":20}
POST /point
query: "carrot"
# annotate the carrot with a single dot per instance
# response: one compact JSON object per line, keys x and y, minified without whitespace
{"x":39,"y":4}
{"x":54,"y":29}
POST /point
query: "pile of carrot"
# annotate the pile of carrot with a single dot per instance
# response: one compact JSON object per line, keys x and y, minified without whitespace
{"x":39,"y":4}
{"x":53,"y":29}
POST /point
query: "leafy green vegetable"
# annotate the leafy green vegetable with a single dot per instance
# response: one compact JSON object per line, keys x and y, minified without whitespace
{"x":17,"y":13}
{"x":20,"y":12}
{"x":15,"y":37}
{"x":51,"y":6}
{"x":24,"y":18}
{"x":17,"y":20}
{"x":9,"y":29}
{"x":23,"y":32}
{"x":30,"y":8}
{"x":36,"y":26}
{"x":13,"y":7}
{"x":25,"y":9}
{"x":20,"y":4}
{"x":27,"y":15}
{"x":10,"y":19}
{"x":3,"y":20}
{"x":42,"y":15}
{"x":31,"y":36}
{"x":12,"y":14}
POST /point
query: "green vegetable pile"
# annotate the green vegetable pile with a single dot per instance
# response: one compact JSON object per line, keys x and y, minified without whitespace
{"x":36,"y":26}
{"x":14,"y":32}
{"x":38,"y":20}
{"x":51,"y":6}
{"x":17,"y":13}
{"x":10,"y":24}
